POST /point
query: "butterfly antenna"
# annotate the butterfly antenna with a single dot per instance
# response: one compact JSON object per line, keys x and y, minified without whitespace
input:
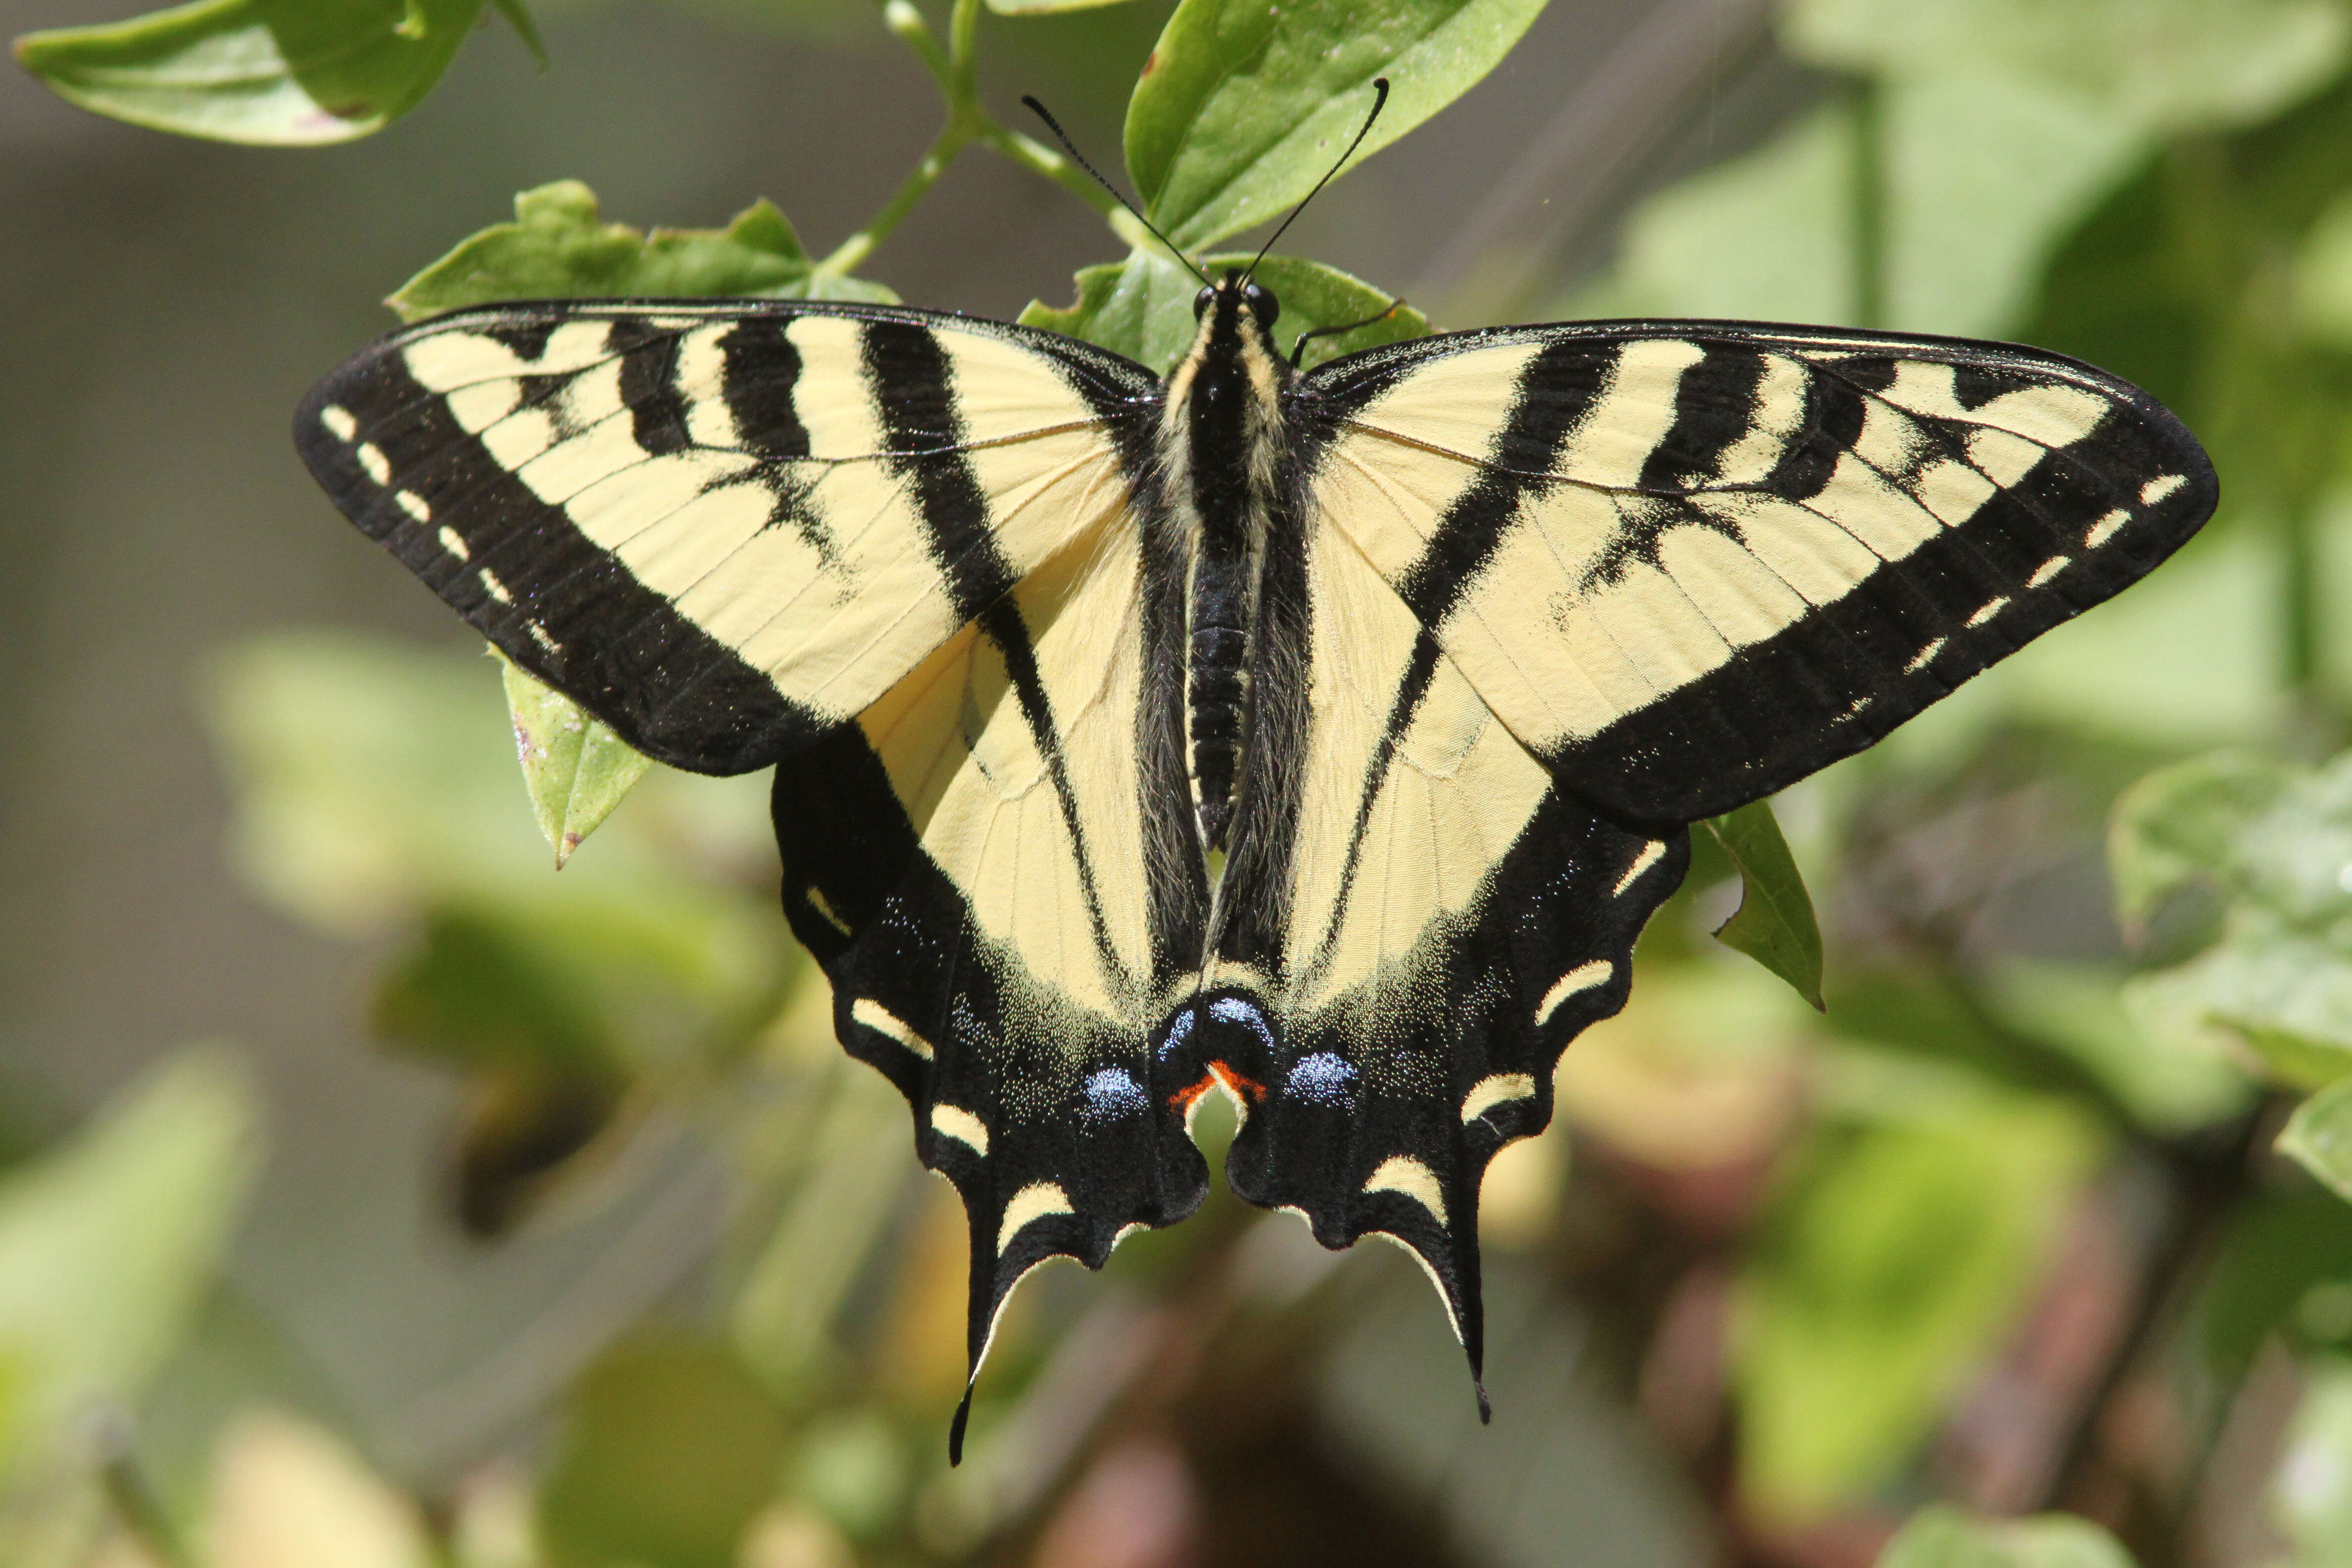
{"x":1381,"y":88}
{"x":1070,"y":147}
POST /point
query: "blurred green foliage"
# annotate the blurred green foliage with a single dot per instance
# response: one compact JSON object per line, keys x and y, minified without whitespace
{"x":2041,"y":1212}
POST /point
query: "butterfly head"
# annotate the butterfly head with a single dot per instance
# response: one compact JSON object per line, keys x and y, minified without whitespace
{"x":1235,"y":294}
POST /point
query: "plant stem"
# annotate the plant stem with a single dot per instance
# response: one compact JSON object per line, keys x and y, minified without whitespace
{"x":852,"y":252}
{"x":956,"y":70}
{"x":1039,"y":159}
{"x":963,"y":63}
{"x":901,"y":17}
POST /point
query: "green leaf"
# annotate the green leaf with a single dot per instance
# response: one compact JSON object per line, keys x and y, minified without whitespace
{"x":1045,"y":7}
{"x":2179,"y":826}
{"x":1998,"y":122}
{"x":559,"y":249}
{"x":2169,"y":65}
{"x":1887,"y":1272}
{"x":2286,"y":998}
{"x":2169,"y":1086}
{"x":848,"y":1183}
{"x":2285,"y":1262}
{"x":373,"y":780}
{"x":585,"y":984}
{"x":1941,"y":1536}
{"x":2318,"y":1136}
{"x":271,"y":72}
{"x":667,"y":1452}
{"x":1774,"y":923}
{"x":2277,"y":841}
{"x":574,"y":766}
{"x":108,"y":1242}
{"x":1142,"y":308}
{"x":557,"y":1011}
{"x":1242,"y":105}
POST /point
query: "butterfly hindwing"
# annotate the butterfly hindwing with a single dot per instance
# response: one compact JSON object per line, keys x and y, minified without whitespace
{"x":1452,"y":920}
{"x":723,"y":527}
{"x":1690,"y":562}
{"x":971,"y":864}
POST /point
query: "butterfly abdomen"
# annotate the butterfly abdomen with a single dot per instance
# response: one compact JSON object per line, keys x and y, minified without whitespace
{"x":1221,"y":443}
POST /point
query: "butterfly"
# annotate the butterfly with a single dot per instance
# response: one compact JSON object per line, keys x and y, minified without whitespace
{"x":1324,"y":738}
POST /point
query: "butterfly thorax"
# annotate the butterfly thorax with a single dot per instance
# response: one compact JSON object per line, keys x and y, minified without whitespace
{"x":1221,"y":444}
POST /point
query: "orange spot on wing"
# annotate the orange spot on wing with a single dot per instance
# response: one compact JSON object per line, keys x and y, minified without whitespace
{"x":1247,"y":1089}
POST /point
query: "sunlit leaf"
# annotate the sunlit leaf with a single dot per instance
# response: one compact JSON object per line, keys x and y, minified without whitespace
{"x":2310,"y":1492}
{"x":1885,"y":1276}
{"x":575,"y":768}
{"x":1243,"y":106}
{"x":1774,"y":923}
{"x":108,"y":1242}
{"x":1941,"y":1536}
{"x":1997,"y":122}
{"x":559,"y":248}
{"x":2277,"y":842}
{"x":1044,"y":8}
{"x":2168,"y":66}
{"x":2181,"y":825}
{"x":1766,"y":236}
{"x":282,"y":72}
{"x":286,"y":1492}
{"x":2318,"y":1136}
{"x":1142,"y":308}
{"x":2287,"y":998}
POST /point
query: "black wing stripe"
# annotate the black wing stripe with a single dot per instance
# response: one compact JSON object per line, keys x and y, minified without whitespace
{"x":633,"y":502}
{"x":915,"y":398}
{"x":1556,"y":392}
{"x":738,"y":721}
{"x":1892,"y":516}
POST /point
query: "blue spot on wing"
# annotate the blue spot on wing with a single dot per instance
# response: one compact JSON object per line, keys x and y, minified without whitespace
{"x":1112,"y":1094}
{"x":1240,"y":1010}
{"x":1324,"y":1080}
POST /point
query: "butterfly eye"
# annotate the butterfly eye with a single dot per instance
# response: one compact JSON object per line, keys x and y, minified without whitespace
{"x":1263,"y":303}
{"x":1200,"y":302}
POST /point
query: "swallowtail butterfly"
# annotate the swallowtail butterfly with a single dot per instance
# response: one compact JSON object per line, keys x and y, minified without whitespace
{"x":1324,"y":739}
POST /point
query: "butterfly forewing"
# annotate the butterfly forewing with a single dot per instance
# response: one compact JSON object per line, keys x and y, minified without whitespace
{"x":723,"y":527}
{"x":1689,"y":563}
{"x":1530,"y":601}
